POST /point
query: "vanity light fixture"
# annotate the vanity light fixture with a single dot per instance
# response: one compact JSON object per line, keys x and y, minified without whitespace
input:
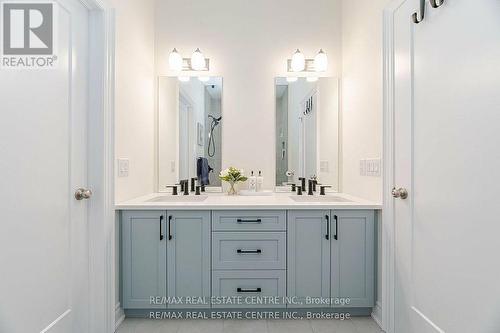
{"x":299,"y":63}
{"x":204,"y":78}
{"x":175,"y":61}
{"x":320,"y":61}
{"x":197,"y":62}
{"x":184,"y":78}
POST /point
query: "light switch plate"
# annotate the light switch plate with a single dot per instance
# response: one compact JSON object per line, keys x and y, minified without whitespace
{"x":374,"y":167}
{"x":123,"y":167}
{"x":324,"y":166}
{"x":362,"y":167}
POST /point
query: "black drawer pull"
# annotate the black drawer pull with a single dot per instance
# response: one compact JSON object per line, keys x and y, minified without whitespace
{"x":249,"y":221}
{"x":240,"y":251}
{"x":246,"y":290}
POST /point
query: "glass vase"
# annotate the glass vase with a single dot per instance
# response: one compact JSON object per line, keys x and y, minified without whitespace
{"x":232,"y":189}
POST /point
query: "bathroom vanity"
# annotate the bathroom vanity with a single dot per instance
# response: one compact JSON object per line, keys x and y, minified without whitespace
{"x":221,"y":252}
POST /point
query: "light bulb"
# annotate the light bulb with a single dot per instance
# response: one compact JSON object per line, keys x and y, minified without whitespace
{"x":184,"y":78}
{"x":298,"y":61}
{"x":312,"y":79}
{"x":320,"y":62}
{"x":198,"y":60}
{"x":204,"y":78}
{"x":175,"y":61}
{"x":292,"y":79}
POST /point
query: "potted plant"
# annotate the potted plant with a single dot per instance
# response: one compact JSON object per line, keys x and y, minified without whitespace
{"x":232,"y":176}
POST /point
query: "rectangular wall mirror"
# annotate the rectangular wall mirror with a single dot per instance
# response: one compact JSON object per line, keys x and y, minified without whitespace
{"x":189,"y":131}
{"x":307,"y":131}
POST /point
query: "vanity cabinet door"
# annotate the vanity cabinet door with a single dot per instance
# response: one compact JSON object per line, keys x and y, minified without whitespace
{"x":353,"y":252}
{"x":308,"y":256}
{"x":144,"y":249}
{"x":188,"y":257}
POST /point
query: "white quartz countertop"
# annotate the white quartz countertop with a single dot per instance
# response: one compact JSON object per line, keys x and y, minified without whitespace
{"x":221,"y":201}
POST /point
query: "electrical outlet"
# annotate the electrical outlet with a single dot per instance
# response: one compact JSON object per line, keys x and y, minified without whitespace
{"x":123,"y":167}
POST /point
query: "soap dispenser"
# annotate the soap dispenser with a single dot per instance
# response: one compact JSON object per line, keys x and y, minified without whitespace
{"x":252,"y":183}
{"x":260,"y":182}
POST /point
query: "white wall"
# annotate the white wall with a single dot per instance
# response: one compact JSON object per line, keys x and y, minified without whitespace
{"x":362,"y":94}
{"x":248,"y":43}
{"x":134,"y":99}
{"x":134,"y":102}
{"x":362,"y":101}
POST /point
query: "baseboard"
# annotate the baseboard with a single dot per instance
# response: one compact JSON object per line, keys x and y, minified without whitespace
{"x":377,"y":314}
{"x":119,"y":315}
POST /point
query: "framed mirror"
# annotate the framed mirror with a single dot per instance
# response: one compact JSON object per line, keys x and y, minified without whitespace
{"x":307,"y":131}
{"x":189,"y":131}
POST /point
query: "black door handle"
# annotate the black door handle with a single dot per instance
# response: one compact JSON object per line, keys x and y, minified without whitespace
{"x":170,"y":227}
{"x":249,"y":221}
{"x":246,"y":290}
{"x":327,"y":236}
{"x":336,"y":236}
{"x":240,"y":251}
{"x":161,"y":232}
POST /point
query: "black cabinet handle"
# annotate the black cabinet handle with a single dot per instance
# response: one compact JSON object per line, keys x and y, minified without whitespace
{"x":327,"y":236}
{"x":240,"y":251}
{"x":170,"y":227}
{"x":249,"y":221}
{"x":246,"y":290}
{"x":161,"y":232}
{"x":336,"y":236}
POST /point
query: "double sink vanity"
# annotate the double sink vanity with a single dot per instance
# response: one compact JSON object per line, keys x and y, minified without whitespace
{"x":215,"y":251}
{"x":289,"y":249}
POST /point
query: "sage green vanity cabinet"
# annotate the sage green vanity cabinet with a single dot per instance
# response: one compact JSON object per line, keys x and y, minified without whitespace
{"x":165,"y":253}
{"x":308,"y":256}
{"x":352,"y":257}
{"x":331,"y":255}
{"x":188,"y":257}
{"x":144,"y":258}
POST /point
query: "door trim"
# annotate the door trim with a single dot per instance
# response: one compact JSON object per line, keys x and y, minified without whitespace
{"x":101,"y":220}
{"x":388,"y":234}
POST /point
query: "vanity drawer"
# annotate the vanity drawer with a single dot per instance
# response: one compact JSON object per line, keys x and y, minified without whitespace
{"x":249,"y":288}
{"x":272,"y":220}
{"x":249,"y":250}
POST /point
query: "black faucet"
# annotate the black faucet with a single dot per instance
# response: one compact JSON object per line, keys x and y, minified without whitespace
{"x":186,"y":187}
{"x":203,"y":188}
{"x":310,"y":189}
{"x":193,"y":183}
{"x":174,"y":189}
{"x":299,"y":190}
{"x":322,"y":190}
{"x":197,"y":190}
{"x":303,"y":186}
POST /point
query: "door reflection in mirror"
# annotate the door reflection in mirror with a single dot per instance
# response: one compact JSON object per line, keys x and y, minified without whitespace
{"x":307,"y":135}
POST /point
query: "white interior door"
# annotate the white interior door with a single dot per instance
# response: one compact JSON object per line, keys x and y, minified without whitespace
{"x":43,"y":149}
{"x":184,"y":140}
{"x":447,"y":130}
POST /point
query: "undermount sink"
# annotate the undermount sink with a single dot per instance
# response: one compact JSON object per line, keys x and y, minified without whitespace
{"x":326,"y":198}
{"x":180,"y":198}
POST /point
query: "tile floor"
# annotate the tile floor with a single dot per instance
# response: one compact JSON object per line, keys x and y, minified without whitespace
{"x":354,"y":325}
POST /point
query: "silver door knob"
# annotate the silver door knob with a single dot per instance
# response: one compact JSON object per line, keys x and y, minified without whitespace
{"x":401,"y":193}
{"x":83,"y":193}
